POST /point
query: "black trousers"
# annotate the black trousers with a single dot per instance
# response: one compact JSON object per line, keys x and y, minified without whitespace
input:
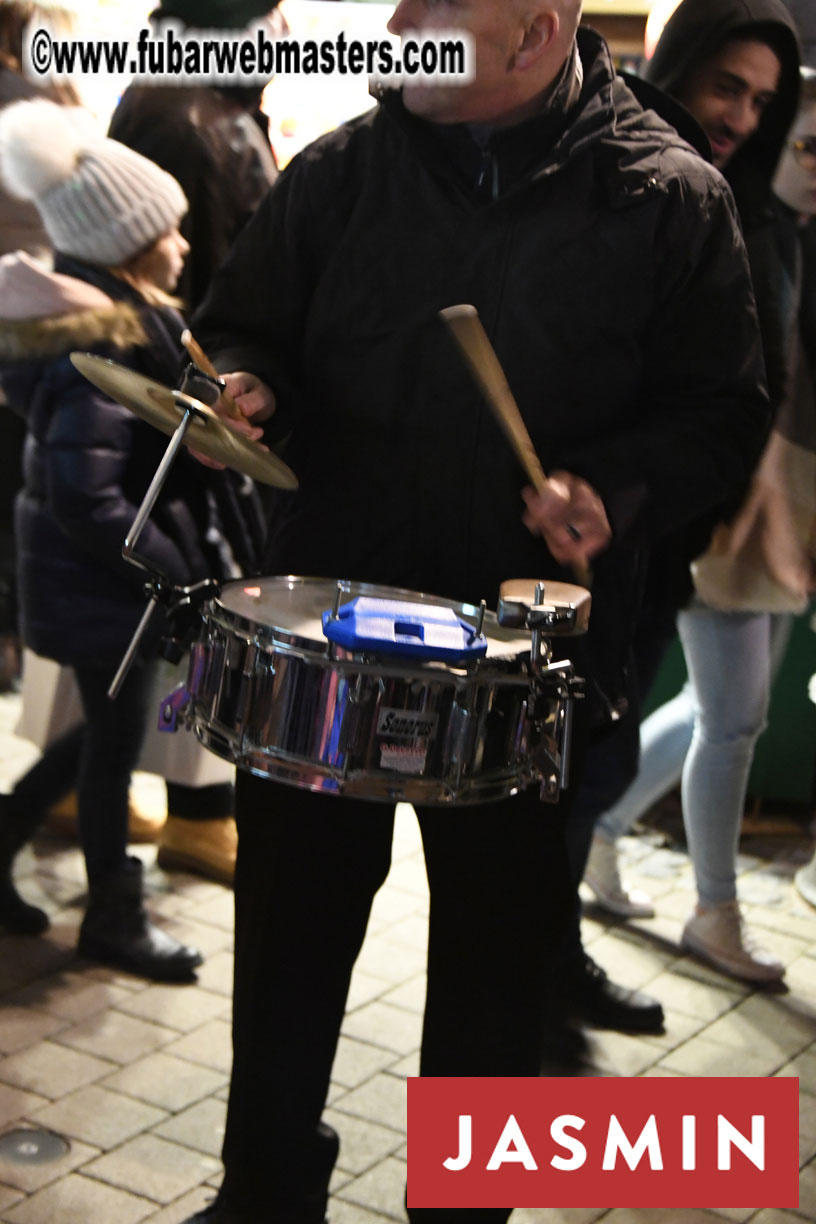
{"x":97,"y":757}
{"x":308,"y":869}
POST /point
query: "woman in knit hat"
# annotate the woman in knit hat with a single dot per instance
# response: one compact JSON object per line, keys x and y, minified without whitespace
{"x":112,"y":218}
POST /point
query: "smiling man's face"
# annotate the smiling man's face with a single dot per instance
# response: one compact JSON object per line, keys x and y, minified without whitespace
{"x":727,"y":95}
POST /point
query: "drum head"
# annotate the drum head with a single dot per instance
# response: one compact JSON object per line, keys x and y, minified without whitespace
{"x":292,"y":609}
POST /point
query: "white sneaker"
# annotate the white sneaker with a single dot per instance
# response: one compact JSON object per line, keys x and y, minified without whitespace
{"x":720,"y":935}
{"x":603,"y":877}
{"x":805,"y":880}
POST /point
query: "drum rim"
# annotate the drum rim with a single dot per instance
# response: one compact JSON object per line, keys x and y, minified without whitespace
{"x":258,"y":628}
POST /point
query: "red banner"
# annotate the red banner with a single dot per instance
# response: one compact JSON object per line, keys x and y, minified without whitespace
{"x":610,"y":1142}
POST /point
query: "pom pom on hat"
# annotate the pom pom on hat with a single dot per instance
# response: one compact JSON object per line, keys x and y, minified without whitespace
{"x":99,"y":200}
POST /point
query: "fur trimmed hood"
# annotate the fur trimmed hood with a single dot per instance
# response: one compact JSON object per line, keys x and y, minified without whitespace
{"x":46,"y":314}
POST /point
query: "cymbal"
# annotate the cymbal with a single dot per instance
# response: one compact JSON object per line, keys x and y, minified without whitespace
{"x":164,"y":408}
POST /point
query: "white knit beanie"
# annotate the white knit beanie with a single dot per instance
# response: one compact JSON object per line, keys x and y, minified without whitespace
{"x":99,"y":200}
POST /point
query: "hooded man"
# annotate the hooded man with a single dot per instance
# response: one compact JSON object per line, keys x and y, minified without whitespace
{"x":734,"y":65}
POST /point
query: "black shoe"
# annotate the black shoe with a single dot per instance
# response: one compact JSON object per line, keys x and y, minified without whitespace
{"x":221,"y":1213}
{"x":591,"y":998}
{"x":16,"y":915}
{"x":116,"y":931}
{"x":16,"y":827}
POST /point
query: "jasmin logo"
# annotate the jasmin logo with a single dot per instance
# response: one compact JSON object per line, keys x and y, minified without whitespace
{"x":537,"y":1143}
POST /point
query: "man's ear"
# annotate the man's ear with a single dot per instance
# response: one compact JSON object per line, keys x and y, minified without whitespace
{"x":539,"y":34}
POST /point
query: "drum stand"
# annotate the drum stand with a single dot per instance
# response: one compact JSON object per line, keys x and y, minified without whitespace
{"x":161,"y":592}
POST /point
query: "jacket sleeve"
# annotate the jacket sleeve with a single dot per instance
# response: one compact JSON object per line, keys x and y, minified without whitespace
{"x":702,"y":415}
{"x":86,"y":456}
{"x":263,"y":291}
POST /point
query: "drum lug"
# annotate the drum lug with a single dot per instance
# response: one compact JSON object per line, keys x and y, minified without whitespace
{"x":173,"y":707}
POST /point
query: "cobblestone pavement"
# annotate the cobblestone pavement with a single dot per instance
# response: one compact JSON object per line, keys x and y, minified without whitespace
{"x":134,"y":1076}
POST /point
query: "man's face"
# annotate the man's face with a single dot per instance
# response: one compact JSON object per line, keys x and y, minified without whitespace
{"x":496,"y":30}
{"x":728,"y":93}
{"x":795,"y":179}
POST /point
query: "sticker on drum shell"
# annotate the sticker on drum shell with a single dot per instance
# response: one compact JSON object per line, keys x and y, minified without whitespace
{"x":408,"y":734}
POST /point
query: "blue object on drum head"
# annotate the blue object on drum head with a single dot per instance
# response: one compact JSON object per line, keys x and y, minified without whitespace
{"x":417,"y":631}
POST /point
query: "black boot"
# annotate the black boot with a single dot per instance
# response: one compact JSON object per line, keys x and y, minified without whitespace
{"x":220,"y":1212}
{"x":16,"y":827}
{"x":116,"y":930}
{"x":588,"y":996}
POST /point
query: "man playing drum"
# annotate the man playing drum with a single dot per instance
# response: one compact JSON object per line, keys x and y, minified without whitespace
{"x":604,"y":260}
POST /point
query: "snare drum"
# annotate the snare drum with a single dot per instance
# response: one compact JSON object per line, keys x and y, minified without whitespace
{"x":270,"y":693}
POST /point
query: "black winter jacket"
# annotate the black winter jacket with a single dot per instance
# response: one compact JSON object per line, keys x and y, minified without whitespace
{"x":606,"y":265}
{"x":87,"y":464}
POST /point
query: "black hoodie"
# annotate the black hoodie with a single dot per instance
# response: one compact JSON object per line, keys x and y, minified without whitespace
{"x":695,"y":33}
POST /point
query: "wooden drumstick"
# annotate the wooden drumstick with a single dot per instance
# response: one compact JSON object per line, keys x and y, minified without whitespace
{"x":473,"y":342}
{"x":200,"y":358}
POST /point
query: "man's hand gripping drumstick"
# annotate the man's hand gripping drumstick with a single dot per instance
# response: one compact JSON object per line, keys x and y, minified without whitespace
{"x":562,"y":508}
{"x":245,"y":402}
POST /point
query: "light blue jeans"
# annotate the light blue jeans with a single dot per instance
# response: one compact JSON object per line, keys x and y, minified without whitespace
{"x":704,"y":738}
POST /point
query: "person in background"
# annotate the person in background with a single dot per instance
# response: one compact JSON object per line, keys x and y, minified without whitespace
{"x":578,"y":224}
{"x":112,"y":219}
{"x":734,"y":66}
{"x":214,"y":141}
{"x":20,"y":229}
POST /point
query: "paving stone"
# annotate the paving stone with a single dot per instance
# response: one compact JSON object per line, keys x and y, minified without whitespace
{"x":364,"y":988}
{"x":362,"y":1143}
{"x":356,"y":1061}
{"x":407,"y":1066}
{"x":390,"y":907}
{"x":558,"y":1215}
{"x":660,"y":1215}
{"x":15,"y":1104}
{"x":807,"y":1192}
{"x":80,"y":1200}
{"x":678,"y":992}
{"x":153,"y":1167}
{"x":630,"y":961}
{"x":409,"y":876}
{"x":98,"y":1116}
{"x":113,"y":1035}
{"x":33,"y":1177}
{"x":803,"y":1067}
{"x":772,"y":1216}
{"x":391,"y":960}
{"x":210,"y":1045}
{"x":22,"y":1027}
{"x":621,"y":1054}
{"x":176,"y":1007}
{"x":200,"y":1127}
{"x":352,"y":1213}
{"x":22,"y":959}
{"x":764,"y":1026}
{"x":383,"y":1099}
{"x":382,"y":1189}
{"x":217,"y":911}
{"x":9,"y":1196}
{"x":70,"y":996}
{"x":393,"y":1028}
{"x":182,"y":1208}
{"x":410,"y":995}
{"x":703,"y":1057}
{"x":51,"y":1070}
{"x":216,"y":973}
{"x":166,"y":1081}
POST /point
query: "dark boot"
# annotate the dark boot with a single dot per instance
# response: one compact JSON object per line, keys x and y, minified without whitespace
{"x":219,"y":1212}
{"x":116,"y":930}
{"x":16,"y":828}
